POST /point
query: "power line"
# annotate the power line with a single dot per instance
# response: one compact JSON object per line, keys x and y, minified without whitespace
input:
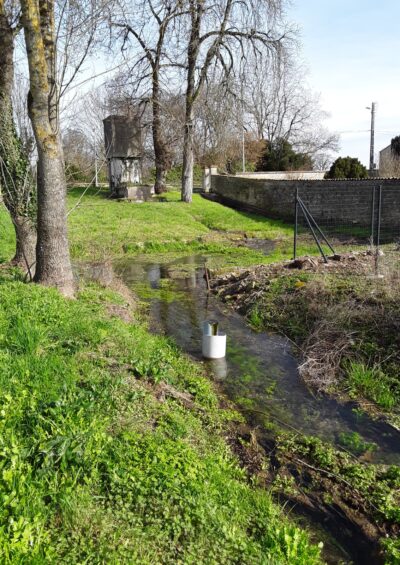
{"x":354,"y":131}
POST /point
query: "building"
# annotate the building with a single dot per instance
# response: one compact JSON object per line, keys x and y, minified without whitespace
{"x":389,"y":163}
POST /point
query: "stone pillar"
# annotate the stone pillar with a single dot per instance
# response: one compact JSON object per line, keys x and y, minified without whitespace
{"x":207,"y":179}
{"x":123,"y":172}
{"x":213,"y":173}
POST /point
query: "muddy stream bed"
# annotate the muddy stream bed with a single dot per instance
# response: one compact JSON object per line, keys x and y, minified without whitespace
{"x":259,"y":373}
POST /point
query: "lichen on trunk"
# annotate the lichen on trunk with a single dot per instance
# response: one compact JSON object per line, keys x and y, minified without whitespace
{"x":53,"y":259}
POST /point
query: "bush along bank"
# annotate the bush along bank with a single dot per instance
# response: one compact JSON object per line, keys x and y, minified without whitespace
{"x":111,"y":445}
{"x":345,"y":324}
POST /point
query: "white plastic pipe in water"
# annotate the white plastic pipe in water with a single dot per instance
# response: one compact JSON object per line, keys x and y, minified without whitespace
{"x":210,"y":327}
{"x":214,"y":343}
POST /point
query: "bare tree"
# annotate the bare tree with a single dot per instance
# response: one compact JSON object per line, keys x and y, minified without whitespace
{"x":82,"y":31}
{"x":53,"y":266}
{"x":16,"y":180}
{"x":280,"y":106}
{"x":218,"y":32}
{"x":83,"y":134}
{"x":20,"y":109}
{"x":79,"y":156}
{"x":149,"y":25}
{"x":75,"y":36}
{"x":217,"y":126}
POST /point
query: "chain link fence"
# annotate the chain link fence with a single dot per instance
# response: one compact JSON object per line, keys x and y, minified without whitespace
{"x":335,"y":224}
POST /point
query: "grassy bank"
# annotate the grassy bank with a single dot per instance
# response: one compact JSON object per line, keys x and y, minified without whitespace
{"x":111,"y":446}
{"x":360,"y":502}
{"x":102,"y":228}
{"x":350,"y":327}
{"x":346,"y":329}
{"x":346,"y":326}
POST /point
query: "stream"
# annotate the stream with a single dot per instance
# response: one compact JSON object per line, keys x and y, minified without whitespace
{"x":260,"y":371}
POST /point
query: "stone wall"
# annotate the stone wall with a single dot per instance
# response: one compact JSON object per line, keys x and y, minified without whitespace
{"x":284,"y":175}
{"x":347,"y":202}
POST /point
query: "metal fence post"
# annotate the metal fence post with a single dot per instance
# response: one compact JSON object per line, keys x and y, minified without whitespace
{"x":308,"y":217}
{"x":378,"y":235}
{"x":378,"y":230}
{"x":296,"y":220}
{"x":372,"y":239}
{"x":308,"y":214}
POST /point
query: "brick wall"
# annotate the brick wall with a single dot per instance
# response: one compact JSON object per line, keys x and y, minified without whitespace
{"x":329,"y":201}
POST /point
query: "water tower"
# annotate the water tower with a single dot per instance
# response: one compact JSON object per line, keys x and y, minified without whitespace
{"x":123,"y":143}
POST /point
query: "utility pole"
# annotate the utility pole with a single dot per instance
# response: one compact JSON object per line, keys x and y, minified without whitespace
{"x":372,"y":141}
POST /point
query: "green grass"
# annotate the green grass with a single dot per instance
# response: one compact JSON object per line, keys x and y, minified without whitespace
{"x":102,"y":228}
{"x":7,"y":237}
{"x":378,"y":485}
{"x":94,"y":468}
{"x":174,"y":176}
{"x":374,"y":384}
{"x":353,"y":442}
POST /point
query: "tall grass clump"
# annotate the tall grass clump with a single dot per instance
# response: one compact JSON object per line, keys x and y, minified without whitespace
{"x":372,"y":383}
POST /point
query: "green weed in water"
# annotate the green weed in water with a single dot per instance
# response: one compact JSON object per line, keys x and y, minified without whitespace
{"x":354,"y":443}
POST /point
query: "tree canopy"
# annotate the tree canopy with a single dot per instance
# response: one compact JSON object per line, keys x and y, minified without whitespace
{"x":279,"y":155}
{"x":347,"y":168}
{"x":395,"y":145}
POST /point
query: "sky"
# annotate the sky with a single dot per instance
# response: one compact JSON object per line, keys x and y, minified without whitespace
{"x":352,"y":48}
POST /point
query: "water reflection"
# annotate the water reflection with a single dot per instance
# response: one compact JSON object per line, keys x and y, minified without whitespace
{"x":219,"y":368}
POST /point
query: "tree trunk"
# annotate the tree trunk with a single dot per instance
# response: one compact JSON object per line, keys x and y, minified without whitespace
{"x":188,"y":156}
{"x":53,"y":267}
{"x":16,"y":181}
{"x":160,"y":186}
{"x":26,"y":238}
{"x":196,"y":12}
{"x":160,"y":149}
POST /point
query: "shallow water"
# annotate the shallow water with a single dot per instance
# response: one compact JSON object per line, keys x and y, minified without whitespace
{"x":259,"y":372}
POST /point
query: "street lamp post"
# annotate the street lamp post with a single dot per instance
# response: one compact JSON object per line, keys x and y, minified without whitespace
{"x":372,"y":140}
